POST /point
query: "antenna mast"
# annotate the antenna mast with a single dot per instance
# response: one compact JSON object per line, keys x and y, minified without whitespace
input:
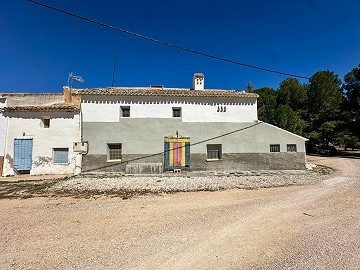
{"x":71,"y":79}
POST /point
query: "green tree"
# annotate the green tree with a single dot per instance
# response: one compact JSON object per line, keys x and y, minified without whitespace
{"x":352,"y":103}
{"x":292,"y":93}
{"x":288,"y":119}
{"x":266,"y":104}
{"x":324,"y":103}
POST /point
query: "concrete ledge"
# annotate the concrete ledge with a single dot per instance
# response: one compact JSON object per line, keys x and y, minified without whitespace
{"x":144,"y":168}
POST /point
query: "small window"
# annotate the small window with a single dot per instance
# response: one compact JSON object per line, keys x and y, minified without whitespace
{"x":214,"y":151}
{"x":291,"y":148}
{"x":45,"y":120}
{"x":125,"y":111}
{"x":274,"y":147}
{"x":114,"y":151}
{"x":176,"y":112}
{"x":60,"y":155}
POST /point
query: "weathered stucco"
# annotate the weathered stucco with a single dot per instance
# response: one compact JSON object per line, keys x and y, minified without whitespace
{"x":146,"y":136}
{"x":19,"y":99}
{"x":246,"y":145}
{"x":64,"y":130}
{"x":194,"y":109}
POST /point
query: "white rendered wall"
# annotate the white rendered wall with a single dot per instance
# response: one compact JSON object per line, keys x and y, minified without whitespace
{"x":64,"y":130}
{"x":107,"y":108}
{"x":2,"y":127}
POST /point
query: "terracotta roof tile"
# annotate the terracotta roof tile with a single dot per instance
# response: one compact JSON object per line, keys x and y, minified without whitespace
{"x":43,"y":108}
{"x":163,"y":92}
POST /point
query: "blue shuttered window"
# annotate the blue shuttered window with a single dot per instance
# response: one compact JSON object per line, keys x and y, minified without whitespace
{"x":60,"y":155}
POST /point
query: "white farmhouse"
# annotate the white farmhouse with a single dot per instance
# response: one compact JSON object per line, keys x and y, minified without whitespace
{"x":196,"y":129}
{"x":39,"y":134}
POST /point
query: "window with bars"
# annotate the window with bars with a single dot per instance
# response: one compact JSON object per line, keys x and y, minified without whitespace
{"x":176,"y":112}
{"x":214,"y":151}
{"x":61,"y":155}
{"x":125,"y":111}
{"x":114,"y":151}
{"x":274,"y":147}
{"x":291,"y":148}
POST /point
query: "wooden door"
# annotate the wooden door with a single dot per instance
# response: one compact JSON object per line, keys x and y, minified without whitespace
{"x":177,"y":154}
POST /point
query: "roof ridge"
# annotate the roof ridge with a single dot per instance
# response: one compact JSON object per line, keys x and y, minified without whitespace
{"x":159,"y":91}
{"x":59,"y":106}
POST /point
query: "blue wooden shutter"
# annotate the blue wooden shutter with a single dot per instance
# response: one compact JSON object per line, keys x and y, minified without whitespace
{"x":166,"y":155}
{"x":23,"y":154}
{"x":187,"y":154}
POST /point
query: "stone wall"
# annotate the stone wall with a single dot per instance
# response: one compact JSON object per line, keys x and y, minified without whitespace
{"x":99,"y":163}
{"x":229,"y":162}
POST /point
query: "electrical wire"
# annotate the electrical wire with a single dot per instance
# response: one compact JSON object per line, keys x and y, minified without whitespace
{"x":171,"y":149}
{"x":165,"y":43}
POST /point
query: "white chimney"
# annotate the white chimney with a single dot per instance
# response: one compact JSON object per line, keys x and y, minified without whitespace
{"x":198,"y":81}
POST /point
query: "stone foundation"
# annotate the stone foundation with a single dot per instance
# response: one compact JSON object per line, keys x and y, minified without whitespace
{"x":144,"y":168}
{"x":198,"y":162}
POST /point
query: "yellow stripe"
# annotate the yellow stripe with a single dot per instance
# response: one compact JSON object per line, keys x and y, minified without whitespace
{"x":183,"y":154}
{"x":171,"y":154}
{"x":172,"y":139}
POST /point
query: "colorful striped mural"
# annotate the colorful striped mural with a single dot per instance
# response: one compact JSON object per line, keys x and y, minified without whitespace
{"x":176,"y":153}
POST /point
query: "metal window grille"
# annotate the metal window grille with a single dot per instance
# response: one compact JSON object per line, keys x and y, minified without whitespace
{"x":291,"y":148}
{"x":125,"y":111}
{"x":114,"y":151}
{"x":213,"y":154}
{"x":60,"y":155}
{"x":213,"y":151}
{"x":274,"y":147}
{"x":176,"y":112}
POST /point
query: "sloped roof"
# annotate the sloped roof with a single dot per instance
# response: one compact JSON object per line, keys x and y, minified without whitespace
{"x":43,"y":108}
{"x":164,"y":92}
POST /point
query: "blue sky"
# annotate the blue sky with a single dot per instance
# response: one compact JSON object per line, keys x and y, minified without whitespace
{"x":39,"y":47}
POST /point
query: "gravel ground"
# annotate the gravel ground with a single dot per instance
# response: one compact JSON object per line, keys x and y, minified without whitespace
{"x":189,"y":182}
{"x":296,"y":227}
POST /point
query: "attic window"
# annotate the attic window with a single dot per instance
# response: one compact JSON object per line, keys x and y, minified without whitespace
{"x":176,"y":112}
{"x":125,"y":111}
{"x":45,"y":121}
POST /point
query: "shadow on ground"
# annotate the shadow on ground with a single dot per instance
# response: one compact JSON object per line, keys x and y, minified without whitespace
{"x":29,"y":189}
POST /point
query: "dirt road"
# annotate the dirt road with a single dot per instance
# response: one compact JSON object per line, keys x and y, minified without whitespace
{"x":304,"y":227}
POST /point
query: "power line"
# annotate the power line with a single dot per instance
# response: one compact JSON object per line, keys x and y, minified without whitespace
{"x":171,"y":149}
{"x":165,"y":43}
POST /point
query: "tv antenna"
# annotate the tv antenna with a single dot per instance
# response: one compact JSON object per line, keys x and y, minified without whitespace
{"x":73,"y":78}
